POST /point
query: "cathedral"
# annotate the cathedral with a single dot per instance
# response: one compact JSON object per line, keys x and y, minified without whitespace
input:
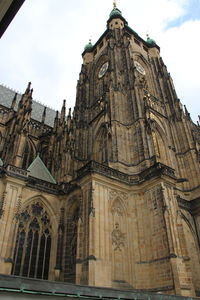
{"x":107,"y":195}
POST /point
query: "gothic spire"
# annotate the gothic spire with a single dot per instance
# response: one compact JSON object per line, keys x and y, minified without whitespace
{"x":44,"y":115}
{"x":28,"y":89}
{"x":56,"y":121}
{"x":69,"y":114}
{"x":186,"y":112}
{"x":63,"y":110}
{"x":14,"y":101}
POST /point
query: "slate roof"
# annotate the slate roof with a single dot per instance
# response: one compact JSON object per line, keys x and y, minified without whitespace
{"x":7,"y":95}
{"x":14,"y":287}
{"x":38,"y":170}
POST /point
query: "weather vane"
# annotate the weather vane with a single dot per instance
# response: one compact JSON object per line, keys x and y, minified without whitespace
{"x":114,"y":3}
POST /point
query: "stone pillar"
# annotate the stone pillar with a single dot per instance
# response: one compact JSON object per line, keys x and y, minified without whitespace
{"x":181,"y":268}
{"x":19,"y":150}
{"x":11,"y":196}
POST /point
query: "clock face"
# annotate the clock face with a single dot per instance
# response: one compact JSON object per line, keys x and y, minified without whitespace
{"x":103,"y":70}
{"x":139,"y":68}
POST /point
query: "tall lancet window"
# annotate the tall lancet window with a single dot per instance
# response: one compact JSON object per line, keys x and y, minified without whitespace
{"x":28,"y":155}
{"x":33,"y":243}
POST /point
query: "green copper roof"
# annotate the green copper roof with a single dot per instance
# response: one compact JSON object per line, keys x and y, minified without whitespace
{"x":38,"y":170}
{"x":150,"y":41}
{"x":133,"y":31}
{"x":88,"y":47}
{"x":115,"y":12}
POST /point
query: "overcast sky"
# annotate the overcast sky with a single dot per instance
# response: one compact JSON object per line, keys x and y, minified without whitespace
{"x":45,"y":41}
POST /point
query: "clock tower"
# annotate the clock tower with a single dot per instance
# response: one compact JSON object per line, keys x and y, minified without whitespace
{"x":137,"y":148}
{"x":108,"y":196}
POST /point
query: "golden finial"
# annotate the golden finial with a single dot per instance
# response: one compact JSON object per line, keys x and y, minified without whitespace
{"x":115,"y":4}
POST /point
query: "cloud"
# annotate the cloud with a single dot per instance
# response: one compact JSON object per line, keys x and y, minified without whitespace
{"x":181,"y":48}
{"x":45,"y":41}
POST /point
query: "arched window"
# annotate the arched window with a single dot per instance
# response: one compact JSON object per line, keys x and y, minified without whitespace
{"x":28,"y":155}
{"x":33,"y":243}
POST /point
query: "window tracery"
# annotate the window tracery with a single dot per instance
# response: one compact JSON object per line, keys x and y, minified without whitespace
{"x":28,"y":155}
{"x":33,"y":243}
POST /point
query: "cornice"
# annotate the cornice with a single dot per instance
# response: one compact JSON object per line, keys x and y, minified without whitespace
{"x":157,"y":170}
{"x":192,"y":206}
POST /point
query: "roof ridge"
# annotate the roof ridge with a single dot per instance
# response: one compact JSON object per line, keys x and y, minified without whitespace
{"x":19,"y":93}
{"x":7,"y":87}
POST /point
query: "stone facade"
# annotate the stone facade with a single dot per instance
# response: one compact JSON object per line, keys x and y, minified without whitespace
{"x":108,"y":196}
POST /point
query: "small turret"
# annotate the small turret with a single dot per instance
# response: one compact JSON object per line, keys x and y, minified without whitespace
{"x":31,"y":93}
{"x":69,"y":114}
{"x":14,"y":101}
{"x":56,"y":121}
{"x":116,"y":20}
{"x":44,"y":115}
{"x":187,"y":113}
{"x":25,"y":107}
{"x":88,"y":47}
{"x":150,"y":41}
{"x":88,"y":53}
{"x":27,"y":91}
{"x":69,"y":118}
{"x":115,"y":12}
{"x":63,"y":111}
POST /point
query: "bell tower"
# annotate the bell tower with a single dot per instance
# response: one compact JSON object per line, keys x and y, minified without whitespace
{"x":133,"y":141}
{"x":108,"y":195}
{"x":123,"y":76}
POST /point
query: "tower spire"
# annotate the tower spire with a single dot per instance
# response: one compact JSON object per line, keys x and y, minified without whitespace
{"x":114,"y":4}
{"x":62,"y":115}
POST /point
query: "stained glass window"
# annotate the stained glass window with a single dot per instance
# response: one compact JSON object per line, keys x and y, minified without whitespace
{"x":33,"y":243}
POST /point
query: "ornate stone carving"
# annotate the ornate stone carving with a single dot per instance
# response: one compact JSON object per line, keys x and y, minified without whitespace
{"x":34,"y":225}
{"x":118,"y":238}
{"x":117,"y":208}
{"x":36,"y":209}
{"x":117,"y":194}
{"x":2,"y":203}
{"x":116,"y":199}
{"x":153,"y":103}
{"x":155,"y":170}
{"x":34,"y":213}
{"x":91,"y":207}
{"x":17,"y":171}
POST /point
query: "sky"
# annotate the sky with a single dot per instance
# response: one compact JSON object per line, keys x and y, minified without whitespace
{"x":45,"y":41}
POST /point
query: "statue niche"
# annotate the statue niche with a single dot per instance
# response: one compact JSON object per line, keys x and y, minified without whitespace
{"x":119,"y":241}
